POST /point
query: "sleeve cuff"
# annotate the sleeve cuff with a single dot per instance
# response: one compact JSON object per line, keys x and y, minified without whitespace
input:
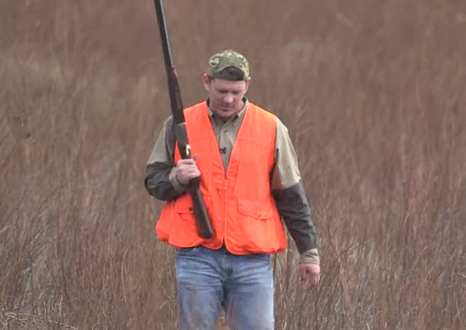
{"x":310,"y":257}
{"x":177,"y":185}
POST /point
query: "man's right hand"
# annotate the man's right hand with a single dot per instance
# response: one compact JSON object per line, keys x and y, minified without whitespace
{"x":186,"y":169}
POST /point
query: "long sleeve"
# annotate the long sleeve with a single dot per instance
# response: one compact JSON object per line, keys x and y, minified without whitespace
{"x":291,"y":199}
{"x":160,"y":180}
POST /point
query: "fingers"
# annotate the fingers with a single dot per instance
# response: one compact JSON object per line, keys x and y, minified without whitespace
{"x":186,"y":169}
{"x":302,"y":273}
{"x":311,"y":281}
{"x":310,"y":275}
{"x":188,"y":161}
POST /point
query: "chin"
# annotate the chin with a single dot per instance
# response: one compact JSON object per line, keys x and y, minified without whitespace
{"x":225,"y":112}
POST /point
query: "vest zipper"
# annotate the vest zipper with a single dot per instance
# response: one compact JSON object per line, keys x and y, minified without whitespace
{"x":225,"y":203}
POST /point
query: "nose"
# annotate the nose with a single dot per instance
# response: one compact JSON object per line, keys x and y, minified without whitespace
{"x":228,"y":99}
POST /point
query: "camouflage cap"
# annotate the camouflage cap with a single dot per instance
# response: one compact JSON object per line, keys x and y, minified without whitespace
{"x":225,"y":59}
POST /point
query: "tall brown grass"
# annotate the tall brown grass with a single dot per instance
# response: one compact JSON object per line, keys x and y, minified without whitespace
{"x":374,"y":97}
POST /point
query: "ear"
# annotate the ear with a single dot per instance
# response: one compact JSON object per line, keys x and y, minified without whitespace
{"x":248,"y":83}
{"x":206,"y":80}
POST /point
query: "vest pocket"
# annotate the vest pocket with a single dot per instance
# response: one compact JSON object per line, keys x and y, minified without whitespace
{"x":184,"y":208}
{"x":255,"y":209}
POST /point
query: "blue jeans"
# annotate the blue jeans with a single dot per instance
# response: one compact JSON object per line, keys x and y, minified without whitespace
{"x":209,"y":280}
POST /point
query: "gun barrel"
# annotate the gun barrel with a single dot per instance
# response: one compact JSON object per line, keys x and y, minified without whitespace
{"x":163,"y":33}
{"x":204,"y":227}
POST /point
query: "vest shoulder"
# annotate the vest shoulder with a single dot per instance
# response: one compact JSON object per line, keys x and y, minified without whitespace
{"x":195,"y":106}
{"x":262,"y":111}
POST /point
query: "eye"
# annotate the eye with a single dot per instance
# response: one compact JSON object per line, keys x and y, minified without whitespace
{"x":222,"y":91}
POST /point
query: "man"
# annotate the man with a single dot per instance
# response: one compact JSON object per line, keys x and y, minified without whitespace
{"x":252,"y":189}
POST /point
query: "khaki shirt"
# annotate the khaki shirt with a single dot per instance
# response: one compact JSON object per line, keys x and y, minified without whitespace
{"x":286,"y":174}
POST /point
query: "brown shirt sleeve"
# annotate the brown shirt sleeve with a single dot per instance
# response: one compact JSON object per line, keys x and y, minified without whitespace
{"x":160,"y":180}
{"x":292,"y":202}
{"x":161,"y":152}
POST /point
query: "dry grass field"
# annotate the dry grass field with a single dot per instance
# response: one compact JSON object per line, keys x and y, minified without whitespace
{"x":373,"y":93}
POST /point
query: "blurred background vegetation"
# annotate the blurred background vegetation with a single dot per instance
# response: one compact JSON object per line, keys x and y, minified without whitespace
{"x":373,"y":96}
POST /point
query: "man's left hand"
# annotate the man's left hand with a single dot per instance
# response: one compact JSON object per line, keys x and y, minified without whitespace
{"x":310,"y":273}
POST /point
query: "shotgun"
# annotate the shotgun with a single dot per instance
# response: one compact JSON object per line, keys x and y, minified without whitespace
{"x":204,"y":227}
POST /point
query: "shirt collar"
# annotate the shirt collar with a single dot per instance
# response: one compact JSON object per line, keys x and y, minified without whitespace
{"x":236,"y":118}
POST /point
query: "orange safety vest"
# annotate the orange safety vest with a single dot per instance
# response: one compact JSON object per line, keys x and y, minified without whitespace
{"x":239,"y":202}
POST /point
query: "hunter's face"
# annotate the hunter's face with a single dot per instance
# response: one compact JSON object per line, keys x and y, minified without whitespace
{"x":226,"y":97}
